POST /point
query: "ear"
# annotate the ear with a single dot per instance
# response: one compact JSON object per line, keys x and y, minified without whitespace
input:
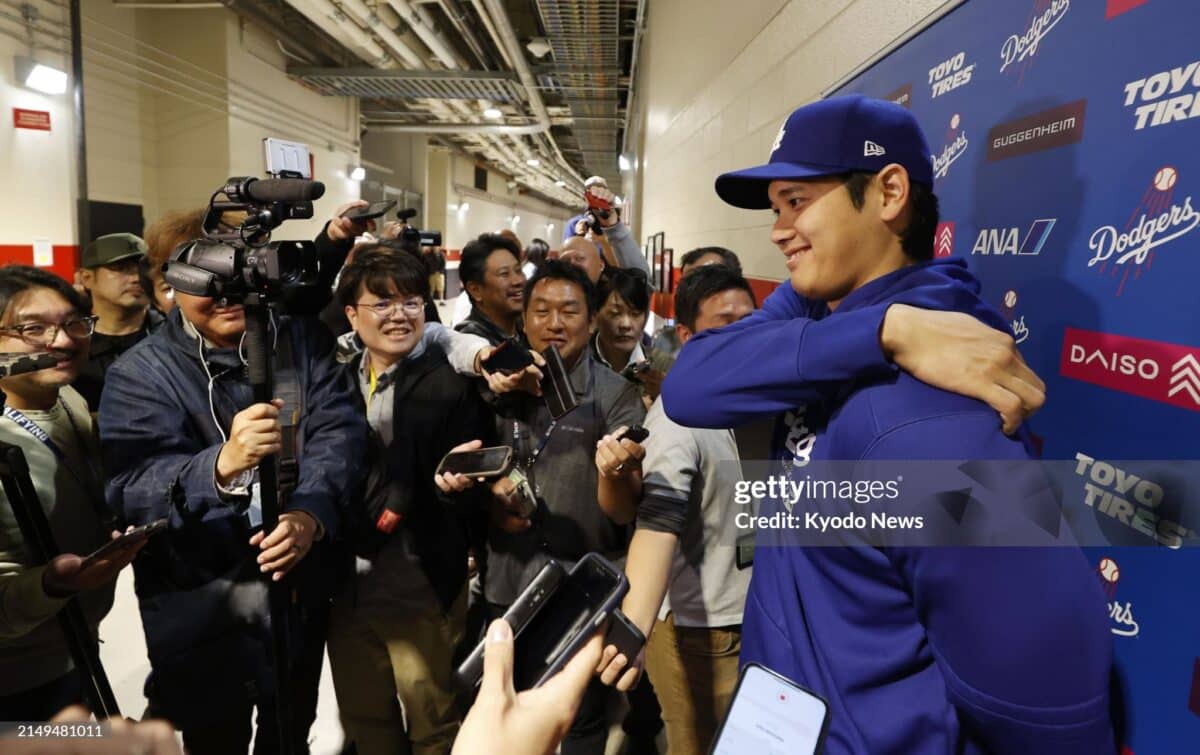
{"x":352,"y":316}
{"x":472,"y":289}
{"x":683,"y":332}
{"x":893,"y":186}
{"x":87,"y":277}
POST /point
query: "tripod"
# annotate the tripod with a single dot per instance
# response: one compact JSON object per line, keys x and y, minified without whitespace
{"x":39,"y":540}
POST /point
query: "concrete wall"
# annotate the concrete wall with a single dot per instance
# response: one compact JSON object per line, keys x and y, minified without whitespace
{"x":714,"y":88}
{"x":491,"y":211}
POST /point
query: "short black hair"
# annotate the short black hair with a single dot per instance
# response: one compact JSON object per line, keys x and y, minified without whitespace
{"x":16,"y":279}
{"x":473,"y":263}
{"x":917,"y":239}
{"x":377,"y":267}
{"x":563,"y":271}
{"x":628,"y":283}
{"x":728,"y":257}
{"x":702,"y":283}
{"x":536,"y":252}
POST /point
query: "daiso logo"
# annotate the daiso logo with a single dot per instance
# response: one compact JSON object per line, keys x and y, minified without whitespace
{"x":1165,"y":372}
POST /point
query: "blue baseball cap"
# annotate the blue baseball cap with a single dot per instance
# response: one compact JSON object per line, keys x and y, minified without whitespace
{"x":828,"y":137}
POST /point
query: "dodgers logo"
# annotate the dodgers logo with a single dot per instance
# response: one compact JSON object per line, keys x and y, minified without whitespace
{"x":1156,"y":221}
{"x":956,"y":146}
{"x":1018,"y":48}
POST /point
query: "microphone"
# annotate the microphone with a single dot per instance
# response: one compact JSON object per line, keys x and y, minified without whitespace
{"x":274,"y":189}
{"x":19,"y":363}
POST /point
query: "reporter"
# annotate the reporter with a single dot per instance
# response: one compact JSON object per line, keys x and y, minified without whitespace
{"x":49,"y":421}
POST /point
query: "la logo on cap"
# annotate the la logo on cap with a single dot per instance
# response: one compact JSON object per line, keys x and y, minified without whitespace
{"x":778,"y":138}
{"x":871,"y":149}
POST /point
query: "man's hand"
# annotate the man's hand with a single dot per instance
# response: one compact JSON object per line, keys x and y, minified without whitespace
{"x":344,"y":229}
{"x":616,"y":670}
{"x":290,"y":541}
{"x":618,"y":457}
{"x":955,"y":352}
{"x":528,"y":379}
{"x":506,"y":508}
{"x":255,"y":434}
{"x":452,"y":482}
{"x":64,"y":575}
{"x":532,"y":722}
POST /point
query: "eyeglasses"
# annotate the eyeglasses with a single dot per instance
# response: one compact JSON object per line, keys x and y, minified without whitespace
{"x":386,"y":308}
{"x":44,"y":333}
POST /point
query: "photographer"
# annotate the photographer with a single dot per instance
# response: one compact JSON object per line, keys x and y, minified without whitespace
{"x":602,"y":221}
{"x":49,"y":421}
{"x":182,"y":439}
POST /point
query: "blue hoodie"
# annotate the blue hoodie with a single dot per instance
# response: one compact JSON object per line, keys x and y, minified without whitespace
{"x":917,"y":650}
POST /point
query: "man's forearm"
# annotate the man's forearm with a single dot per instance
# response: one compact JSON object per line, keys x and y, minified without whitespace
{"x":618,"y":496}
{"x":648,"y":568}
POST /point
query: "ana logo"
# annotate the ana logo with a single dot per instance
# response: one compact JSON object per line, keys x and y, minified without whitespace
{"x":1161,"y":99}
{"x":1121,"y":615}
{"x":956,"y":146}
{"x":902,"y":96}
{"x":1159,"y":371}
{"x":1157,"y":220}
{"x":950,"y":75}
{"x":1001,"y":241}
{"x":871,"y":149}
{"x":943,"y":240}
{"x":1018,"y":48}
{"x":778,"y":138}
{"x":1045,"y":130}
{"x":1129,"y":500}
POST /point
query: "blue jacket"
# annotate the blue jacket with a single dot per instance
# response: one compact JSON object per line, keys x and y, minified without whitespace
{"x":202,"y":599}
{"x":917,"y":650}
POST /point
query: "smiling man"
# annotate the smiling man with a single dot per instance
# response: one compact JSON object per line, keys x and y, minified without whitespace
{"x":490,"y":270}
{"x":891,"y":637}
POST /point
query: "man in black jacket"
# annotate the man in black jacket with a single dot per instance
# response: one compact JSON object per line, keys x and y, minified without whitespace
{"x":395,"y":628}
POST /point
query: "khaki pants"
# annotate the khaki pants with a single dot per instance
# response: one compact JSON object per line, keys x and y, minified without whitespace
{"x":380,"y":663}
{"x":437,"y":285}
{"x":694,"y":671}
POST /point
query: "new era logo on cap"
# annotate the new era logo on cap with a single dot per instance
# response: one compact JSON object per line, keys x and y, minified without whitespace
{"x":871,"y":149}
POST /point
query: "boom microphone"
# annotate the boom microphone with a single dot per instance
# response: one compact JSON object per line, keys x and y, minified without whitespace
{"x":274,"y":189}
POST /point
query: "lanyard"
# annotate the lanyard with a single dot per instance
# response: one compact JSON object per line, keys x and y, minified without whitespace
{"x":533,"y":457}
{"x":34,"y":429}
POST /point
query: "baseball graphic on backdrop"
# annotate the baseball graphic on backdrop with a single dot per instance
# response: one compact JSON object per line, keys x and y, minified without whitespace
{"x":1165,"y":178}
{"x":1109,"y":570}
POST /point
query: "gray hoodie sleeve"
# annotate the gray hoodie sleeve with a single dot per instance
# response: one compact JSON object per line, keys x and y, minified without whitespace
{"x":460,"y":348}
{"x":626,"y":248}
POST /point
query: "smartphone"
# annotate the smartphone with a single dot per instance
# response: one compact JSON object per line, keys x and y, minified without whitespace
{"x":518,"y":615}
{"x":771,"y":714}
{"x":624,"y":635}
{"x":568,"y":618}
{"x":371,"y":211}
{"x":508,"y":357}
{"x":557,"y":390}
{"x":482,"y":462}
{"x":633,"y":370}
{"x":134,"y":536}
{"x":637,"y":434}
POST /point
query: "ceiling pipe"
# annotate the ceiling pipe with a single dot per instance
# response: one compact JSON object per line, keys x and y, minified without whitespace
{"x":508,"y":39}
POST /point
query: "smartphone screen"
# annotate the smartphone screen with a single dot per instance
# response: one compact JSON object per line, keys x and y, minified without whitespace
{"x":477,"y":462}
{"x":592,"y":587}
{"x":771,"y":715}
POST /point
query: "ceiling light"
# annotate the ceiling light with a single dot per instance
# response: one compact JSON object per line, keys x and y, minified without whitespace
{"x":533,"y":162}
{"x":358,"y":173}
{"x":539,"y":46}
{"x":41,"y":77}
{"x":493,"y":113}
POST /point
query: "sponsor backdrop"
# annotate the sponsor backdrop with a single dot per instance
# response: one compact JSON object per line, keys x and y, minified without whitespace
{"x":1064,"y":137}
